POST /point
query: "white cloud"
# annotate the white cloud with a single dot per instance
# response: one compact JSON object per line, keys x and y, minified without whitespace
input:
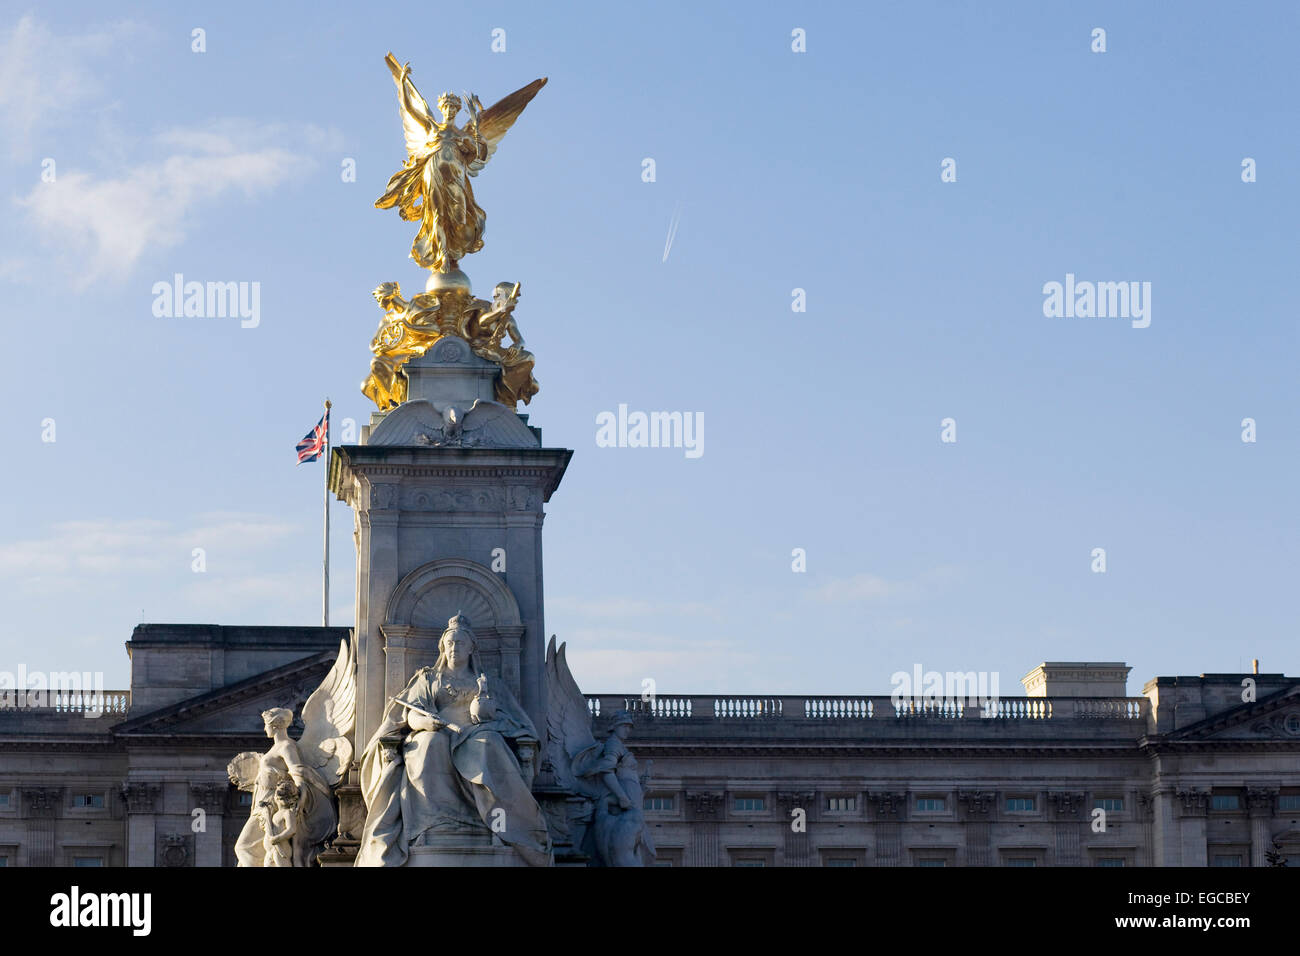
{"x":102,"y":221}
{"x":104,"y":225}
{"x":79,"y":549}
{"x":45,"y":79}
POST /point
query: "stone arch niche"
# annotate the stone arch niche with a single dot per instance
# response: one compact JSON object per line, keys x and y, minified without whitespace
{"x":427,"y":598}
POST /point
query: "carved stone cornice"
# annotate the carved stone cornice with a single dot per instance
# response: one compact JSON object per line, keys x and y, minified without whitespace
{"x":705,"y":804}
{"x":1193,"y":802}
{"x":141,"y":797}
{"x":889,"y":804}
{"x":976,"y":804}
{"x":1067,"y":804}
{"x":42,"y":801}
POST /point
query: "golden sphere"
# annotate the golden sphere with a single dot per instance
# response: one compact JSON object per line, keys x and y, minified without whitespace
{"x":444,"y":282}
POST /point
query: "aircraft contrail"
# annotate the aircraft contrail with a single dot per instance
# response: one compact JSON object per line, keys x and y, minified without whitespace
{"x":672,"y":230}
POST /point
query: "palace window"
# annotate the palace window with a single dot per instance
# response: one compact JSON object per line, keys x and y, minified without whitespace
{"x":749,"y":804}
{"x":1226,"y":859}
{"x":1109,"y":804}
{"x":1288,"y":801}
{"x":87,"y":861}
{"x":1020,"y":804}
{"x":751,"y":856}
{"x":1225,"y":801}
{"x":88,"y":800}
{"x":1110,"y":861}
{"x":931,"y":803}
{"x":931,"y":861}
{"x":658,"y":803}
{"x":1021,"y":861}
{"x":841,"y":804}
{"x":840,"y":861}
{"x":4,"y":801}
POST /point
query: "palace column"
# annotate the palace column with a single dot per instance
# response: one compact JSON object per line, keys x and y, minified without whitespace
{"x":211,"y":799}
{"x":976,"y":813}
{"x":1260,"y":802}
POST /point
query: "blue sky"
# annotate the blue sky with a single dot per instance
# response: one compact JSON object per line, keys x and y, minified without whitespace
{"x":818,"y":171}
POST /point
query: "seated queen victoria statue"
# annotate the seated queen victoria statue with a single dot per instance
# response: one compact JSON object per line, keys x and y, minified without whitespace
{"x":442,"y":762}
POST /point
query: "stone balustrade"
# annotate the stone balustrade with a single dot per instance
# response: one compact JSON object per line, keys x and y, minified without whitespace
{"x":66,"y":702}
{"x":712,"y":707}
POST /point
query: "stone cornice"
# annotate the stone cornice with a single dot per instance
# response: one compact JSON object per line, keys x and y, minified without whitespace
{"x":544,"y":466}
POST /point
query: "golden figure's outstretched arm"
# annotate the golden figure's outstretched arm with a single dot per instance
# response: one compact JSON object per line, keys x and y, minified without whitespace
{"x":416,"y":121}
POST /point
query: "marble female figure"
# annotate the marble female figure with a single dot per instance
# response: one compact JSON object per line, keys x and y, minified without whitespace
{"x":441,"y":761}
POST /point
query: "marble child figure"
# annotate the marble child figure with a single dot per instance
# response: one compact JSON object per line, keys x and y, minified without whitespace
{"x":280,"y":823}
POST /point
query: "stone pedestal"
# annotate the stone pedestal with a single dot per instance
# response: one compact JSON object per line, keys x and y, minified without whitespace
{"x":447,"y":492}
{"x":462,"y":849}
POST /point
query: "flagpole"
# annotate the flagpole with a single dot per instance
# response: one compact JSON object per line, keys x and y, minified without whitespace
{"x":325,"y":594}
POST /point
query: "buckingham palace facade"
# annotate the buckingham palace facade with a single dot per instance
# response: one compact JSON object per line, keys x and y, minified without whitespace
{"x":1197,"y":771}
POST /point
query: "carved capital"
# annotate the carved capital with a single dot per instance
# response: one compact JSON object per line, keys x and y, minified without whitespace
{"x":976,"y":804}
{"x":209,"y":797}
{"x":1261,"y":800}
{"x":704,"y":804}
{"x":1068,"y":805}
{"x":1146,"y":803}
{"x":789,"y":800}
{"x":1193,"y":802}
{"x":141,"y":797}
{"x":889,"y":804}
{"x":42,"y":801}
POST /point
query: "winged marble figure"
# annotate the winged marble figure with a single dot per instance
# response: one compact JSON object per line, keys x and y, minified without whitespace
{"x":605,"y":771}
{"x":314,"y":765}
{"x":433,"y":186}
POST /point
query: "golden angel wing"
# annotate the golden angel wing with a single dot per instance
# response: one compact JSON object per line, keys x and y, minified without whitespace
{"x":496,"y":120}
{"x":416,"y":120}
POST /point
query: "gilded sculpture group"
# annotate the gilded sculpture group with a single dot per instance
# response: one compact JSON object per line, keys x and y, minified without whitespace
{"x":433,"y":188}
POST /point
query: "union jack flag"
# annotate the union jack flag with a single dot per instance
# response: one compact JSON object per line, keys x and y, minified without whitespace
{"x":313,"y":443}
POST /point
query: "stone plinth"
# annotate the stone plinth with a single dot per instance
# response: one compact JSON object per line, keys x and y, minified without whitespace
{"x":462,"y":849}
{"x":1077,"y":679}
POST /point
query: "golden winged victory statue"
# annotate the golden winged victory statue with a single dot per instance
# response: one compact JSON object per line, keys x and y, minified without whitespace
{"x":433,"y":188}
